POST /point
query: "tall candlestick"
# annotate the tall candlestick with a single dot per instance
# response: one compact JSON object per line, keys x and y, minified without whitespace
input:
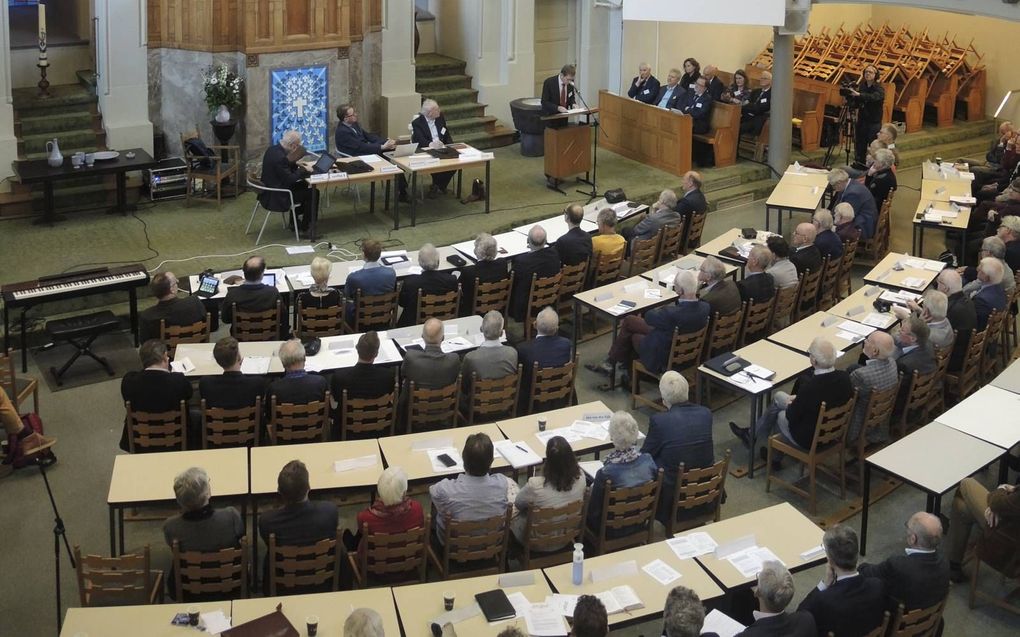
{"x":42,"y":20}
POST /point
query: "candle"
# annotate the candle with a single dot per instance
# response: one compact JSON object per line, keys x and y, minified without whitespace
{"x":42,"y":20}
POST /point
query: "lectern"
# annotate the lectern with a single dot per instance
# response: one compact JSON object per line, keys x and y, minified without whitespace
{"x":568,"y":149}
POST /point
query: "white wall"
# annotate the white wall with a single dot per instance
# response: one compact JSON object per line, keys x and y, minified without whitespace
{"x":65,"y":61}
{"x":123,"y":67}
{"x":8,"y":142}
{"x":399,"y":99}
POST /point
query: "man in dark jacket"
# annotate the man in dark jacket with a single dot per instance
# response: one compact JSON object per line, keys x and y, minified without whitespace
{"x":574,"y":246}
{"x":297,"y":387}
{"x":487,"y":268}
{"x":714,"y":85}
{"x":845,"y":189}
{"x":828,"y":242}
{"x":757,"y":285}
{"x":698,"y":104}
{"x":806,"y":255}
{"x":755,"y":113}
{"x":540,"y":261}
{"x":644,"y":87}
{"x":428,"y":130}
{"x":365,"y":379}
{"x":692,"y":202}
{"x":280,"y":170}
{"x":232,"y":389}
{"x":352,"y":140}
{"x":990,"y":296}
{"x":548,"y":349}
{"x":174,"y":310}
{"x":156,"y":389}
{"x":775,"y":592}
{"x":558,"y":94}
{"x":253,"y":295}
{"x":670,"y":94}
{"x":920,"y":578}
{"x":915,"y":354}
{"x":430,"y":281}
{"x":960,"y":312}
{"x":870,"y":97}
{"x":720,"y":292}
{"x":844,"y":602}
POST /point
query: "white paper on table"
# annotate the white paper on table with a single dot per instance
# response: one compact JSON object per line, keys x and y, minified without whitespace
{"x":874,"y":319}
{"x":913,"y":263}
{"x":653,"y":293}
{"x":564,"y":604}
{"x":963,"y":200}
{"x":597,"y":417}
{"x":343,"y":346}
{"x":735,"y":546}
{"x":300,"y":249}
{"x":305,"y":277}
{"x":749,"y":561}
{"x":856,"y":328}
{"x":518,"y":454}
{"x":934,"y":266}
{"x":589,"y":430}
{"x":760,"y":372}
{"x":661,"y":572}
{"x":456,"y":344}
{"x":442,"y":442}
{"x":666,"y":276}
{"x":182,"y":365}
{"x":750,"y":383}
{"x":361,"y":462}
{"x":590,"y":467}
{"x":215,"y":622}
{"x":623,"y":569}
{"x":390,"y":169}
{"x":544,"y":620}
{"x":321,"y":178}
{"x":900,"y":297}
{"x":255,"y":365}
{"x":388,"y":352}
{"x":437,"y":464}
{"x":566,"y":432}
{"x":519,"y":602}
{"x":722,"y":624}
{"x":847,"y":336}
{"x":634,"y":288}
{"x":912,"y":282}
{"x":450,"y":329}
{"x":619,"y":309}
{"x":692,"y":545}
{"x":371,"y":159}
{"x":323,"y":362}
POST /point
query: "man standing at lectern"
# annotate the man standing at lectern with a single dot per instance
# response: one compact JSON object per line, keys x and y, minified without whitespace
{"x":558,"y":97}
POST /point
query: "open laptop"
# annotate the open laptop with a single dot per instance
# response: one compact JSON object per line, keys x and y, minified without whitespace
{"x":323,"y":164}
{"x":403,"y":150}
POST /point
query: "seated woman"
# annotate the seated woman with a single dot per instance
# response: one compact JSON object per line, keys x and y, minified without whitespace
{"x":625,"y":466}
{"x":561,"y":483}
{"x":392,"y":512}
{"x":739,"y":92}
{"x":320,"y":295}
{"x":881,"y":180}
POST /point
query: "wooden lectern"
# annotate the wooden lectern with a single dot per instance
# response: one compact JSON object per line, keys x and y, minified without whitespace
{"x":568,"y":149}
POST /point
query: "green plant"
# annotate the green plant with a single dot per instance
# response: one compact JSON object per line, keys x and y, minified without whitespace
{"x":222,"y":86}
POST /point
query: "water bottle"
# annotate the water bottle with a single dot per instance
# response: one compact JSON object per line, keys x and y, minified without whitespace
{"x":578,"y":575}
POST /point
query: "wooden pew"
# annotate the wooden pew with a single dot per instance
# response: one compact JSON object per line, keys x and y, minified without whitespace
{"x":942,"y":99}
{"x":646,"y":133}
{"x":911,"y":104}
{"x":723,"y":131}
{"x":972,"y":97}
{"x":809,"y":109}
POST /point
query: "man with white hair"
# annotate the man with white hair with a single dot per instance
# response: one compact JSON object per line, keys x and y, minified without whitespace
{"x":540,"y":261}
{"x":757,"y":285}
{"x":796,"y":415}
{"x":936,"y":304}
{"x":680,"y":435}
{"x":683,"y":614}
{"x":488,"y":267}
{"x":878,"y":373}
{"x":644,"y":87}
{"x":960,"y":312}
{"x":775,"y":592}
{"x":990,"y":247}
{"x":826,"y":240}
{"x":430,"y":281}
{"x":990,"y":296}
{"x":783,"y":272}
{"x":1009,"y":232}
{"x":492,"y":359}
{"x":364,"y":622}
{"x":547,"y":349}
{"x":719,"y":291}
{"x":755,"y":113}
{"x":297,"y":387}
{"x":859,"y":197}
{"x":662,"y":213}
{"x":429,"y":131}
{"x":806,"y":255}
{"x":843,"y":220}
{"x":919,"y":576}
{"x":200,"y":527}
{"x":881,"y":180}
{"x":280,"y":170}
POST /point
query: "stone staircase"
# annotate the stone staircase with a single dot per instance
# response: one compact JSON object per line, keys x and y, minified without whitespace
{"x":443,"y":79}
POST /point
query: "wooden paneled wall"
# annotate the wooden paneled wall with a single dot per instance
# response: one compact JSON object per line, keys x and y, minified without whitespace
{"x":260,"y":26}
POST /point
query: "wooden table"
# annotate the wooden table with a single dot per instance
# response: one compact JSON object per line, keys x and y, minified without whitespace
{"x":943,"y":190}
{"x":935,"y":458}
{"x":781,"y":528}
{"x":332,"y":609}
{"x":382,"y":170}
{"x":556,"y":227}
{"x":525,"y":427}
{"x":151,"y":621}
{"x":468,"y":327}
{"x":399,"y":451}
{"x":419,"y":604}
{"x":725,"y":240}
{"x":883,"y":273}
{"x":1009,"y":379}
{"x":281,"y":283}
{"x":949,"y":172}
{"x":201,"y":356}
{"x":665,"y":273}
{"x":148,"y":478}
{"x":957,"y":224}
{"x":592,"y":210}
{"x":786,"y":363}
{"x":319,"y":457}
{"x":860,"y":304}
{"x":799,"y":336}
{"x":508,"y":244}
{"x":797,"y":191}
{"x":649,"y":590}
{"x":412,"y":166}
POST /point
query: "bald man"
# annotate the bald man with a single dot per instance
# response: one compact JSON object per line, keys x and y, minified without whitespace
{"x":541,"y":261}
{"x":805,"y":254}
{"x":878,"y":373}
{"x":755,"y":113}
{"x":713,"y":84}
{"x":428,"y":367}
{"x":919,"y":578}
{"x":960,"y":312}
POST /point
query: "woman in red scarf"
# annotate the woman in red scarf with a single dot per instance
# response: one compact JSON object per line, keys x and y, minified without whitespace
{"x":392,"y":512}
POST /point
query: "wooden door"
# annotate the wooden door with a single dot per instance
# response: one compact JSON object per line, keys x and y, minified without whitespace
{"x":555,"y":38}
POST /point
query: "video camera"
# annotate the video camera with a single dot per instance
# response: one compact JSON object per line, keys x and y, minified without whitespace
{"x":845,"y":88}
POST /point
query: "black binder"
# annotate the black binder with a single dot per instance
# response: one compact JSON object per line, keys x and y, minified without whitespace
{"x":726,"y":364}
{"x":495,"y":605}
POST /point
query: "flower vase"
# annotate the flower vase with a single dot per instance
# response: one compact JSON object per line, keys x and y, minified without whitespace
{"x":222,"y":115}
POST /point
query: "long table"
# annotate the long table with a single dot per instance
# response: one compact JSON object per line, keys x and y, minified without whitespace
{"x":895,"y":270}
{"x":409,"y":450}
{"x":422,"y":164}
{"x":151,"y":621}
{"x":332,"y":609}
{"x":526,"y":427}
{"x":799,"y":190}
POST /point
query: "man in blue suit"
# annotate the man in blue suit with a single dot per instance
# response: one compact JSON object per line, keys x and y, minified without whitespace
{"x":548,"y":349}
{"x":353,"y":140}
{"x":849,"y":190}
{"x":698,"y":104}
{"x":372,"y":279}
{"x":671,"y":94}
{"x":681,"y":435}
{"x":990,"y":296}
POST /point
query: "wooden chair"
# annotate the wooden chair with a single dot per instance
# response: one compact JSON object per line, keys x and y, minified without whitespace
{"x":552,"y":387}
{"x":607,"y":269}
{"x":212,"y":168}
{"x":916,"y":407}
{"x":290,"y":423}
{"x":492,"y":296}
{"x":572,"y":279}
{"x":921,"y":622}
{"x":757,"y":320}
{"x":877,"y":414}
{"x":472,"y":548}
{"x":846,"y":270}
{"x":700,"y":489}
{"x":695,"y":229}
{"x":991,"y":550}
{"x":807,"y":294}
{"x":374,"y":312}
{"x":174,"y":335}
{"x":879,"y":630}
{"x":368,"y":417}
{"x":549,"y":534}
{"x":387,"y":559}
{"x":723,"y":132}
{"x":162,"y":431}
{"x":643,"y":254}
{"x":992,"y":359}
{"x":786,"y":299}
{"x":965,"y":381}
{"x":295,"y":569}
{"x":318,"y":322}
{"x":257,"y":326}
{"x":623,"y":508}
{"x":829,"y":440}
{"x":492,"y":399}
{"x":672,"y":242}
{"x":429,"y":409}
{"x":231,"y":427}
{"x":545,"y":292}
{"x":686,"y":351}
{"x":724,"y":332}
{"x":17,"y":387}
{"x":828,"y":291}
{"x":877,"y":246}
{"x":126,"y":580}
{"x":441,"y":306}
{"x":937,"y":400}
{"x":220,"y":574}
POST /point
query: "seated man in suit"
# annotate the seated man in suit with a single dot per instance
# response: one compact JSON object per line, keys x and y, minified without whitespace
{"x":936,"y":305}
{"x":540,"y":261}
{"x":990,"y":296}
{"x":372,"y":279}
{"x":775,"y":592}
{"x":574,"y":246}
{"x":713,"y":85}
{"x":232,"y":389}
{"x":548,"y":349}
{"x":488,"y":267}
{"x":990,"y":247}
{"x":156,"y":389}
{"x":698,"y":104}
{"x":806,"y":255}
{"x":795,"y":415}
{"x":492,"y":359}
{"x":683,"y":615}
{"x":352,"y":140}
{"x":847,"y":190}
{"x":880,"y":179}
{"x":176,"y":311}
{"x":826,"y":240}
{"x":692,"y":202}
{"x":365,"y":379}
{"x":844,"y":602}
{"x":430,"y":281}
{"x":670,"y":94}
{"x":783,"y":271}
{"x":300,"y":521}
{"x":279,"y":170}
{"x":644,"y":87}
{"x":974,"y":505}
{"x":757,"y":285}
{"x":843,"y":221}
{"x":651,"y":336}
{"x":719,"y":291}
{"x":914,"y":350}
{"x":475,"y":494}
{"x":960,"y":312}
{"x":680,"y":435}
{"x":431,"y":367}
{"x":755,"y":113}
{"x":428,"y":130}
{"x":878,"y":373}
{"x":920,"y":577}
{"x":253,"y":295}
{"x":662,"y":212}
{"x":297,"y":387}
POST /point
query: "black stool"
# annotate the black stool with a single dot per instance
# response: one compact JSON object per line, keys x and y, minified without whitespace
{"x":81,"y":331}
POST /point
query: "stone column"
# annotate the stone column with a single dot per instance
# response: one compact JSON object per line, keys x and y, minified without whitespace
{"x":781,"y":114}
{"x":123,"y":84}
{"x":399,"y":99}
{"x":8,"y":142}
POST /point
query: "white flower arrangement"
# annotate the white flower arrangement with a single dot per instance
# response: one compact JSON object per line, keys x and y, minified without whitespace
{"x":222,"y":86}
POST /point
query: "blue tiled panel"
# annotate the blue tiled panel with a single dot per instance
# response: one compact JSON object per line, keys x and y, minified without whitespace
{"x":298,"y":99}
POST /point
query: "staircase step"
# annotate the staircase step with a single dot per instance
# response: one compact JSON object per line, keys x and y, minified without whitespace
{"x":471,"y":124}
{"x":441,"y":83}
{"x":65,"y":98}
{"x":433,"y":64}
{"x":36,"y":142}
{"x":452,"y":96}
{"x":55,"y":123}
{"x":484,"y":140}
{"x":462,"y":110}
{"x":88,"y":79}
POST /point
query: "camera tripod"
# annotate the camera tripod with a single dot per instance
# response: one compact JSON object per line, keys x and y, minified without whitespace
{"x":846,"y":125}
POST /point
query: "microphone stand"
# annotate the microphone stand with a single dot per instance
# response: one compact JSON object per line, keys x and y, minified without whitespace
{"x":595,"y":157}
{"x":58,"y":535}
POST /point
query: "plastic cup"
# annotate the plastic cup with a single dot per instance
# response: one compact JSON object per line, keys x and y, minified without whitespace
{"x":541,"y":424}
{"x":90,"y":159}
{"x":312,"y":623}
{"x":193,"y":612}
{"x":448,"y":599}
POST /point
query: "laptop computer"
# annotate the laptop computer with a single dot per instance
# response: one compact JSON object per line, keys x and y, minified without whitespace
{"x":403,"y":150}
{"x":323,"y":164}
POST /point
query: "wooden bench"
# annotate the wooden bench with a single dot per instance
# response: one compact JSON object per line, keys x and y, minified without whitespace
{"x":942,"y":99}
{"x":808,"y":114}
{"x":971,"y":97}
{"x":911,"y":103}
{"x":723,"y":132}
